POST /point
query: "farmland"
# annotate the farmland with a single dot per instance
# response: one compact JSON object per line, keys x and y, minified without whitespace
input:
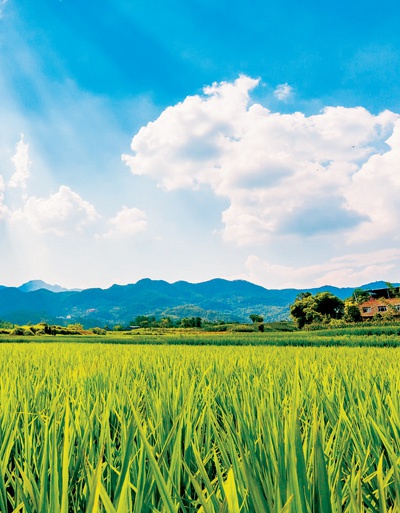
{"x":144,"y":428}
{"x":375,"y":335}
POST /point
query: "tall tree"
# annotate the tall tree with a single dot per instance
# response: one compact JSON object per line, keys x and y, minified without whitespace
{"x":351,"y":311}
{"x":256,"y":318}
{"x":309,"y":309}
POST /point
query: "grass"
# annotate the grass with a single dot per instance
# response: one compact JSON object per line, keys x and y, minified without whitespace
{"x":143,"y":428}
{"x":359,"y":335}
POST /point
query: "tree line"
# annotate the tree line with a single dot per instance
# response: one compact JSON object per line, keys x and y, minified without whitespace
{"x":325,"y":307}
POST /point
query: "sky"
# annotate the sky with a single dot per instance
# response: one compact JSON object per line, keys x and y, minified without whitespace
{"x":189,"y":140}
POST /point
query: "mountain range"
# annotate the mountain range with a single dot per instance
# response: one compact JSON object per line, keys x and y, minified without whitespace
{"x":37,"y":301}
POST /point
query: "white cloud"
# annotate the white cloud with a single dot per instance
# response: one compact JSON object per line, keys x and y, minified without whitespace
{"x":22,"y":165}
{"x":283,"y":92}
{"x":60,"y":213}
{"x":375,"y":192}
{"x":4,"y":212}
{"x":183,"y":146}
{"x":283,"y":174}
{"x":2,"y":4}
{"x":127,"y":222}
{"x":347,"y":270}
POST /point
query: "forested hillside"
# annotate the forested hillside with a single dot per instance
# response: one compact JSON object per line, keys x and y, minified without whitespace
{"x":213,"y":300}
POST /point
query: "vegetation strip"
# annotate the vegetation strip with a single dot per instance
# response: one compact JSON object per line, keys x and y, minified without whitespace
{"x":364,"y":334}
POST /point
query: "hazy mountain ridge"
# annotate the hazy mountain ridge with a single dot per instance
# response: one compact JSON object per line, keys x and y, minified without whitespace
{"x":32,"y":285}
{"x":37,"y":301}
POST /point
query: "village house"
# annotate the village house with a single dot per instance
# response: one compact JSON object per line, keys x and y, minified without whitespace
{"x":383,"y":302}
{"x":381,"y":306}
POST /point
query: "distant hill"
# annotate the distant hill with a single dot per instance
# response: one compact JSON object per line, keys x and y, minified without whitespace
{"x":33,"y":285}
{"x":216,"y":299}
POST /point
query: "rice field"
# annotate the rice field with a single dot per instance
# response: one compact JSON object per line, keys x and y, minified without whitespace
{"x":350,"y":336}
{"x":164,"y":428}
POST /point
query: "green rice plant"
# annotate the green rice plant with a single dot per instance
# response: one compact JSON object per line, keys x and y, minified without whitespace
{"x":118,"y":428}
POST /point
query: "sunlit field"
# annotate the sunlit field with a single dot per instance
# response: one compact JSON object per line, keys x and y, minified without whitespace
{"x":178,"y":428}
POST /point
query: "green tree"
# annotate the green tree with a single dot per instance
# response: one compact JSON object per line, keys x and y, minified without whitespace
{"x":166,"y":322}
{"x":187,"y":322}
{"x":309,"y":309}
{"x":303,"y":295}
{"x":6,"y":325}
{"x":191,"y":322}
{"x":361,"y":295}
{"x":351,"y":311}
{"x":144,"y":321}
{"x":329,"y":305}
{"x":303,"y":309}
{"x":256,"y":318}
{"x":392,"y":290}
{"x":75,"y":327}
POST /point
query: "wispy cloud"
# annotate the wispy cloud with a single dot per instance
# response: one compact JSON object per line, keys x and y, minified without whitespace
{"x":2,"y":4}
{"x":283,"y":92}
{"x":347,"y":270}
{"x":22,"y":165}
{"x":4,"y":212}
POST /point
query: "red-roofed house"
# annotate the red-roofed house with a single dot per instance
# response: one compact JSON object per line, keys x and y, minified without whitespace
{"x":383,"y":306}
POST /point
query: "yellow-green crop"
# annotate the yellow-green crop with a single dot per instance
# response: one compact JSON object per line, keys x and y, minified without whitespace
{"x":114,"y":428}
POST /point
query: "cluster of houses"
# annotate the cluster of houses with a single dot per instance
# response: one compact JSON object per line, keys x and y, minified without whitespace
{"x":381,"y":301}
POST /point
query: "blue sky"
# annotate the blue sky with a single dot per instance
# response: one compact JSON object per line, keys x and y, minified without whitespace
{"x":199,"y":139}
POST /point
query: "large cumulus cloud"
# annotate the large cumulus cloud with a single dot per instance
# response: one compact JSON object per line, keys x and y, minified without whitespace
{"x":283,"y":174}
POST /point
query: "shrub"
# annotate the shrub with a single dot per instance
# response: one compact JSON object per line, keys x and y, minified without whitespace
{"x":98,"y":331}
{"x":244,"y":328}
{"x":21,"y":331}
{"x":217,"y":327}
